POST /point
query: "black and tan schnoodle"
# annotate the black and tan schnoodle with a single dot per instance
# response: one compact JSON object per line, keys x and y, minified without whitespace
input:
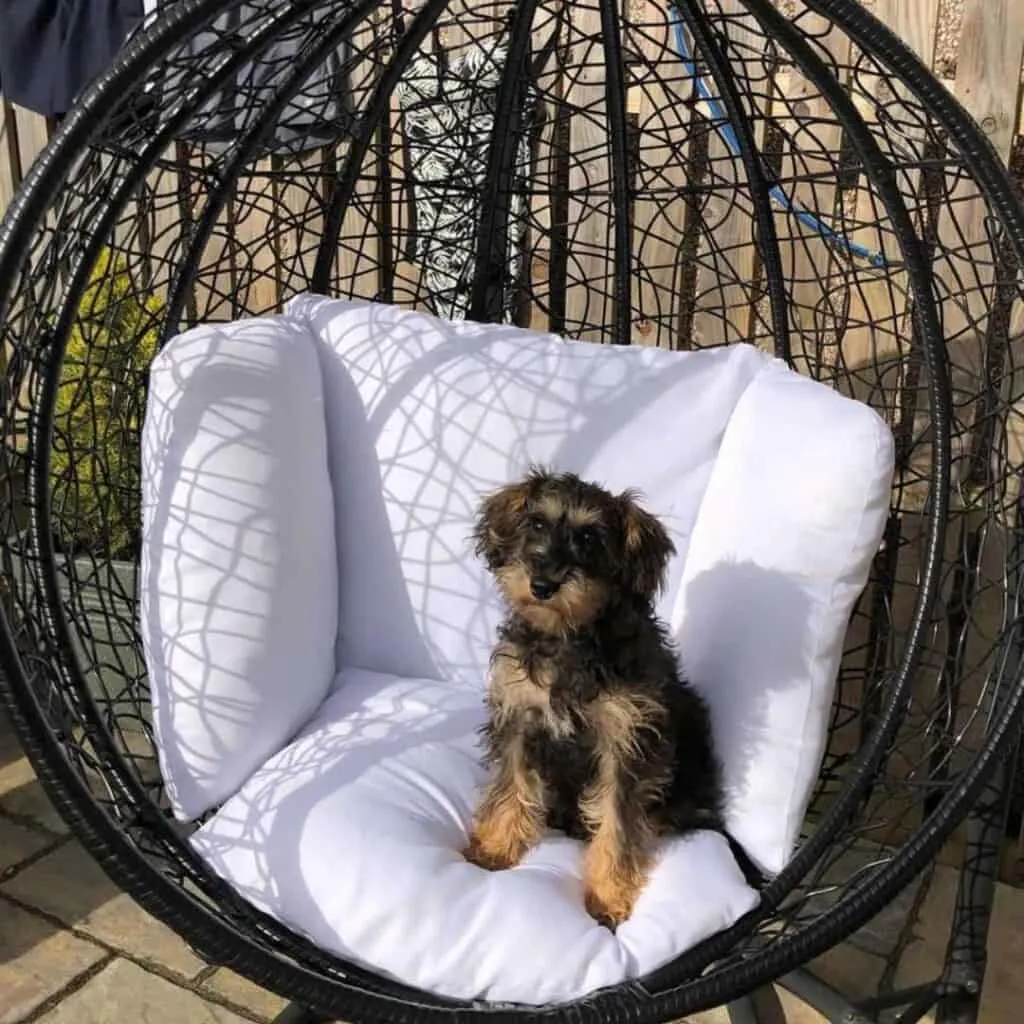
{"x":591,"y":729}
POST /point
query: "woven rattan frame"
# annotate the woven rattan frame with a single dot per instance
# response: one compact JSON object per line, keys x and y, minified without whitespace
{"x":927,"y":682}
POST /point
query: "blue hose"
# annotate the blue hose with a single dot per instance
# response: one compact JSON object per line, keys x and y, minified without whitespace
{"x":728,"y":136}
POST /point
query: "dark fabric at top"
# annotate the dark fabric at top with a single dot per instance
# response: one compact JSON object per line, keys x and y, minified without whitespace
{"x":51,"y":49}
{"x":320,"y":112}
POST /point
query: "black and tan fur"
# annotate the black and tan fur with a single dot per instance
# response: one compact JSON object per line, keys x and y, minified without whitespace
{"x":590,"y":730}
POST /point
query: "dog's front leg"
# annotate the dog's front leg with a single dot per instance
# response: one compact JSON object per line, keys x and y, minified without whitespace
{"x":619,"y":852}
{"x":511,"y":816}
{"x":618,"y":858}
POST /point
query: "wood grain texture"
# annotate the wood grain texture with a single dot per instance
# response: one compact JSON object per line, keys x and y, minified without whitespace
{"x":725,"y":295}
{"x":10,"y":160}
{"x":664,"y":127}
{"x":589,"y":294}
{"x":809,"y":170}
{"x":877,"y":323}
{"x":988,"y":85}
{"x":33,"y":135}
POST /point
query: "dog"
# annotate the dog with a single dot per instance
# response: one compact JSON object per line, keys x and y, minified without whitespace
{"x":591,"y":729}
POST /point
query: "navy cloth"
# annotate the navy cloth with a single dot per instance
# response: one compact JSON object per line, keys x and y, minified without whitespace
{"x":319,"y":114}
{"x":51,"y":49}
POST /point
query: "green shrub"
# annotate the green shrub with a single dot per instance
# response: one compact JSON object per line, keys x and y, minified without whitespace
{"x":95,"y":466}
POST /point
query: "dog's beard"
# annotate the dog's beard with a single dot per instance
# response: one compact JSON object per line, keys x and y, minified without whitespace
{"x":576,"y":603}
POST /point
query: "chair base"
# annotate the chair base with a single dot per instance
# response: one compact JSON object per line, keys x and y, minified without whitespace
{"x":952,"y":1004}
{"x":764,"y":1006}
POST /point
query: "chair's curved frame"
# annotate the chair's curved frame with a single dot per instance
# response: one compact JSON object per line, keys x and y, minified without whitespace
{"x":677,"y":989}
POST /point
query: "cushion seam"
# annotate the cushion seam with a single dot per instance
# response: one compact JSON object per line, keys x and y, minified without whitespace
{"x":764,"y":368}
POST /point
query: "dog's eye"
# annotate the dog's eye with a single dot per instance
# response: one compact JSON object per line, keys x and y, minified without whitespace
{"x":586,"y":537}
{"x":536,"y":524}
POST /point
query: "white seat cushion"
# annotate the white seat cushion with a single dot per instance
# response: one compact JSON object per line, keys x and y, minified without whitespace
{"x":352,"y":833}
{"x":238,"y":586}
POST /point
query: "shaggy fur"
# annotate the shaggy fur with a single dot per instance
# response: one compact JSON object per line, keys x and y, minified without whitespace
{"x":590,"y":730}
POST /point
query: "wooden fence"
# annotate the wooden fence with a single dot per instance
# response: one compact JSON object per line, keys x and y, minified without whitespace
{"x":979,"y":60}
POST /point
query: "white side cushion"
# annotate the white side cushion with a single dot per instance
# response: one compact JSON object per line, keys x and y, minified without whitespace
{"x":238,"y":580}
{"x":425,"y":415}
{"x":351,"y":835}
{"x":792,"y":516}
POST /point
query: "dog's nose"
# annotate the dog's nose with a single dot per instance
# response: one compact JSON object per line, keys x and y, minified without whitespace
{"x":542,"y":589}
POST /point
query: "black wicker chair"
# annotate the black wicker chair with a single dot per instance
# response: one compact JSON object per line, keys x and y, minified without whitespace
{"x":628,"y":172}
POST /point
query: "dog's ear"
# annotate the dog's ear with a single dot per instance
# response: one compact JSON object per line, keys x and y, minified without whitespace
{"x":647,"y":545}
{"x":497,"y":522}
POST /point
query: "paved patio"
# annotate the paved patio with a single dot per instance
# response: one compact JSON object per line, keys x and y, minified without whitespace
{"x":74,"y":950}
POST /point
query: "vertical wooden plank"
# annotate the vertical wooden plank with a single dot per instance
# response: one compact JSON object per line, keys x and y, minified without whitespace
{"x":33,"y":134}
{"x":10,"y":159}
{"x":10,"y":178}
{"x":915,"y":24}
{"x":989,"y":67}
{"x":809,"y":179}
{"x":877,"y":325}
{"x":214,"y":281}
{"x":724,"y":301}
{"x":589,"y":287}
{"x":875,"y":339}
{"x":301,"y":205}
{"x":359,"y":239}
{"x":383,"y":220}
{"x":253,"y":261}
{"x":549,"y":30}
{"x":988,"y":85}
{"x":664,"y":127}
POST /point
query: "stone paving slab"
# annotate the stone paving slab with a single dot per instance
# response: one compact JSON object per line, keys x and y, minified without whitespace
{"x":1002,"y":996}
{"x":794,"y":1012}
{"x":123,"y":993}
{"x":37,"y":961}
{"x":853,"y":971}
{"x":21,"y":794}
{"x":19,"y":843}
{"x":69,"y":886}
{"x":237,"y":991}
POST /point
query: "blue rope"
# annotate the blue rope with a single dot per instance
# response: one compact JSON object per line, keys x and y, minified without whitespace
{"x":728,"y":135}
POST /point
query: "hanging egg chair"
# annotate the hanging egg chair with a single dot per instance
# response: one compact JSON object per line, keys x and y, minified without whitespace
{"x":279,"y":251}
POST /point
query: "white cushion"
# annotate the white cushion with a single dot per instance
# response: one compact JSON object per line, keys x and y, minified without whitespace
{"x":424,"y":415}
{"x":792,"y":516}
{"x":351,"y":835}
{"x":238,"y":581}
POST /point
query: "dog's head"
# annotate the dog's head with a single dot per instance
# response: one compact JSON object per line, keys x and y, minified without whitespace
{"x":563,"y":549}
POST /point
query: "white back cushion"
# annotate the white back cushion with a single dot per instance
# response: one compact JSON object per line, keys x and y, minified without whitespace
{"x":792,"y":516}
{"x":238,"y":578}
{"x":425,"y":415}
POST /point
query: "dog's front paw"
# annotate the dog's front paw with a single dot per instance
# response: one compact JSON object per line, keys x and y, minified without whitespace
{"x":491,"y":858}
{"x":610,"y":907}
{"x":610,"y":897}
